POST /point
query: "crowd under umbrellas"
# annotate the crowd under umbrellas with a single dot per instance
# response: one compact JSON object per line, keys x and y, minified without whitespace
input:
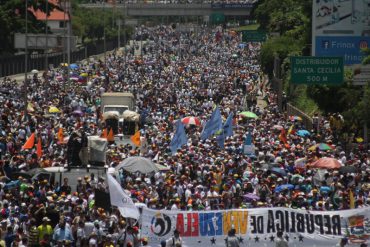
{"x":181,"y":76}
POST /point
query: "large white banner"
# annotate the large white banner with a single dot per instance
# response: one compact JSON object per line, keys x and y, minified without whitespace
{"x":258,"y":227}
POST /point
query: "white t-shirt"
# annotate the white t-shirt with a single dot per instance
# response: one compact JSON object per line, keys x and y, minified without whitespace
{"x":93,"y":242}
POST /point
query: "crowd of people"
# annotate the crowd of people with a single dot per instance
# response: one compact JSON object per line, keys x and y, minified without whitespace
{"x":178,"y":74}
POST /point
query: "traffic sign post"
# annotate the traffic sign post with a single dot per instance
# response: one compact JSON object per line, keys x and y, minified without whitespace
{"x":317,"y":70}
{"x":253,"y":36}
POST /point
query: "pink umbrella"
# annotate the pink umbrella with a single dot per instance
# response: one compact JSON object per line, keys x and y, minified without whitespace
{"x":326,"y":163}
{"x":191,"y":121}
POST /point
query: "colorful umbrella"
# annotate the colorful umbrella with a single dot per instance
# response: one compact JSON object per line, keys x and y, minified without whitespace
{"x":303,"y":133}
{"x":277,"y":127}
{"x":359,"y":140}
{"x":73,"y":66}
{"x":73,"y":78}
{"x":78,"y":112}
{"x":251,"y":196}
{"x":248,"y":114}
{"x":295,"y":118}
{"x":326,"y":163}
{"x":191,"y":121}
{"x":321,"y":146}
{"x":53,"y":109}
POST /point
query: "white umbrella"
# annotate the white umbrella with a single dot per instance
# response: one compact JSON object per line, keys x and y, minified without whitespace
{"x":138,"y":164}
{"x":34,"y":71}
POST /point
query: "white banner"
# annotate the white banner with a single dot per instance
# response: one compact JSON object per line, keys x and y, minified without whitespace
{"x":258,"y":227}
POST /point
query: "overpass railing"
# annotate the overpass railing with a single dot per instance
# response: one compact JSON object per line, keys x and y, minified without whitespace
{"x":226,"y":4}
{"x":15,"y":64}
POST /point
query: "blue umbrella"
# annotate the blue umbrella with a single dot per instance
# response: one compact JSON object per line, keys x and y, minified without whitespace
{"x":73,"y":66}
{"x":278,"y":171}
{"x":283,"y":187}
{"x":303,"y":133}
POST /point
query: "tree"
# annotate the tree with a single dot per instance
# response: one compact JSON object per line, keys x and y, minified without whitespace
{"x":13,"y":19}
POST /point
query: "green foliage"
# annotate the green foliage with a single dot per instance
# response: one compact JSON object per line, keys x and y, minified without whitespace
{"x":278,"y":46}
{"x":291,"y":19}
{"x":89,"y":23}
{"x":13,"y":19}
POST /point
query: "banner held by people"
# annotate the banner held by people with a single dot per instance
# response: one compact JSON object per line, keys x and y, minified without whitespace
{"x":255,"y":227}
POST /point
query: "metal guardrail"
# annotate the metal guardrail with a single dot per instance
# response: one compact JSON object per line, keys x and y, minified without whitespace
{"x":14,"y":64}
{"x":294,"y":111}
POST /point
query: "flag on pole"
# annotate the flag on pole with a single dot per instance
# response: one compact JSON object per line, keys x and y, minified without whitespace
{"x":227,"y":130}
{"x":121,"y":200}
{"x":213,"y":125}
{"x":136,"y":138}
{"x":282,"y":136}
{"x":30,"y":142}
{"x":248,"y":147}
{"x":104,"y":134}
{"x":179,"y":138}
{"x":351,"y":200}
{"x":60,"y":135}
{"x":290,"y":131}
{"x":228,"y":125}
{"x":39,"y":148}
{"x":110,"y":137}
{"x":248,"y":139}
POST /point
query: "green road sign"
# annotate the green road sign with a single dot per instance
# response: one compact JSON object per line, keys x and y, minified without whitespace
{"x":317,"y":70}
{"x":253,"y":36}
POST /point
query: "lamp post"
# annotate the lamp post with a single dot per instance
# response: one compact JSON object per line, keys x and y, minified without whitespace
{"x":46,"y":36}
{"x":26,"y":60}
{"x":105,"y":48}
{"x":69,"y":40}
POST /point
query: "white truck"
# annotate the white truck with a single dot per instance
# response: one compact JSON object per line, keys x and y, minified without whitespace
{"x":117,"y":102}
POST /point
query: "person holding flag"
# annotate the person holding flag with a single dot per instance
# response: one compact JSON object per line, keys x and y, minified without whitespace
{"x":179,"y":138}
{"x":213,"y":125}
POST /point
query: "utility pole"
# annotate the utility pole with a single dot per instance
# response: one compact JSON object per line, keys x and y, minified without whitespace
{"x":26,"y":60}
{"x":46,"y":37}
{"x":119,"y":32}
{"x":69,"y":36}
{"x":105,"y":58}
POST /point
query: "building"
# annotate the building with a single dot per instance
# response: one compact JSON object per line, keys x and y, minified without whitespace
{"x":58,"y":21}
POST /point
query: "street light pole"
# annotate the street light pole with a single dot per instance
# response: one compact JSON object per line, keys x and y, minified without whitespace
{"x":105,"y":58}
{"x":46,"y":37}
{"x":119,"y":32}
{"x":26,"y":60}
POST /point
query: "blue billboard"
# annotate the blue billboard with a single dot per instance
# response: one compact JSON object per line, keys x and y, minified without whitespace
{"x":347,"y":46}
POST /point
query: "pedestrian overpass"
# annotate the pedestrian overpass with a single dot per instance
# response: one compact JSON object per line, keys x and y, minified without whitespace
{"x":178,"y":9}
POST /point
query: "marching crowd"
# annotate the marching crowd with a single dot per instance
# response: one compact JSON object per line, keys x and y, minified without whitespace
{"x":179,"y":74}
